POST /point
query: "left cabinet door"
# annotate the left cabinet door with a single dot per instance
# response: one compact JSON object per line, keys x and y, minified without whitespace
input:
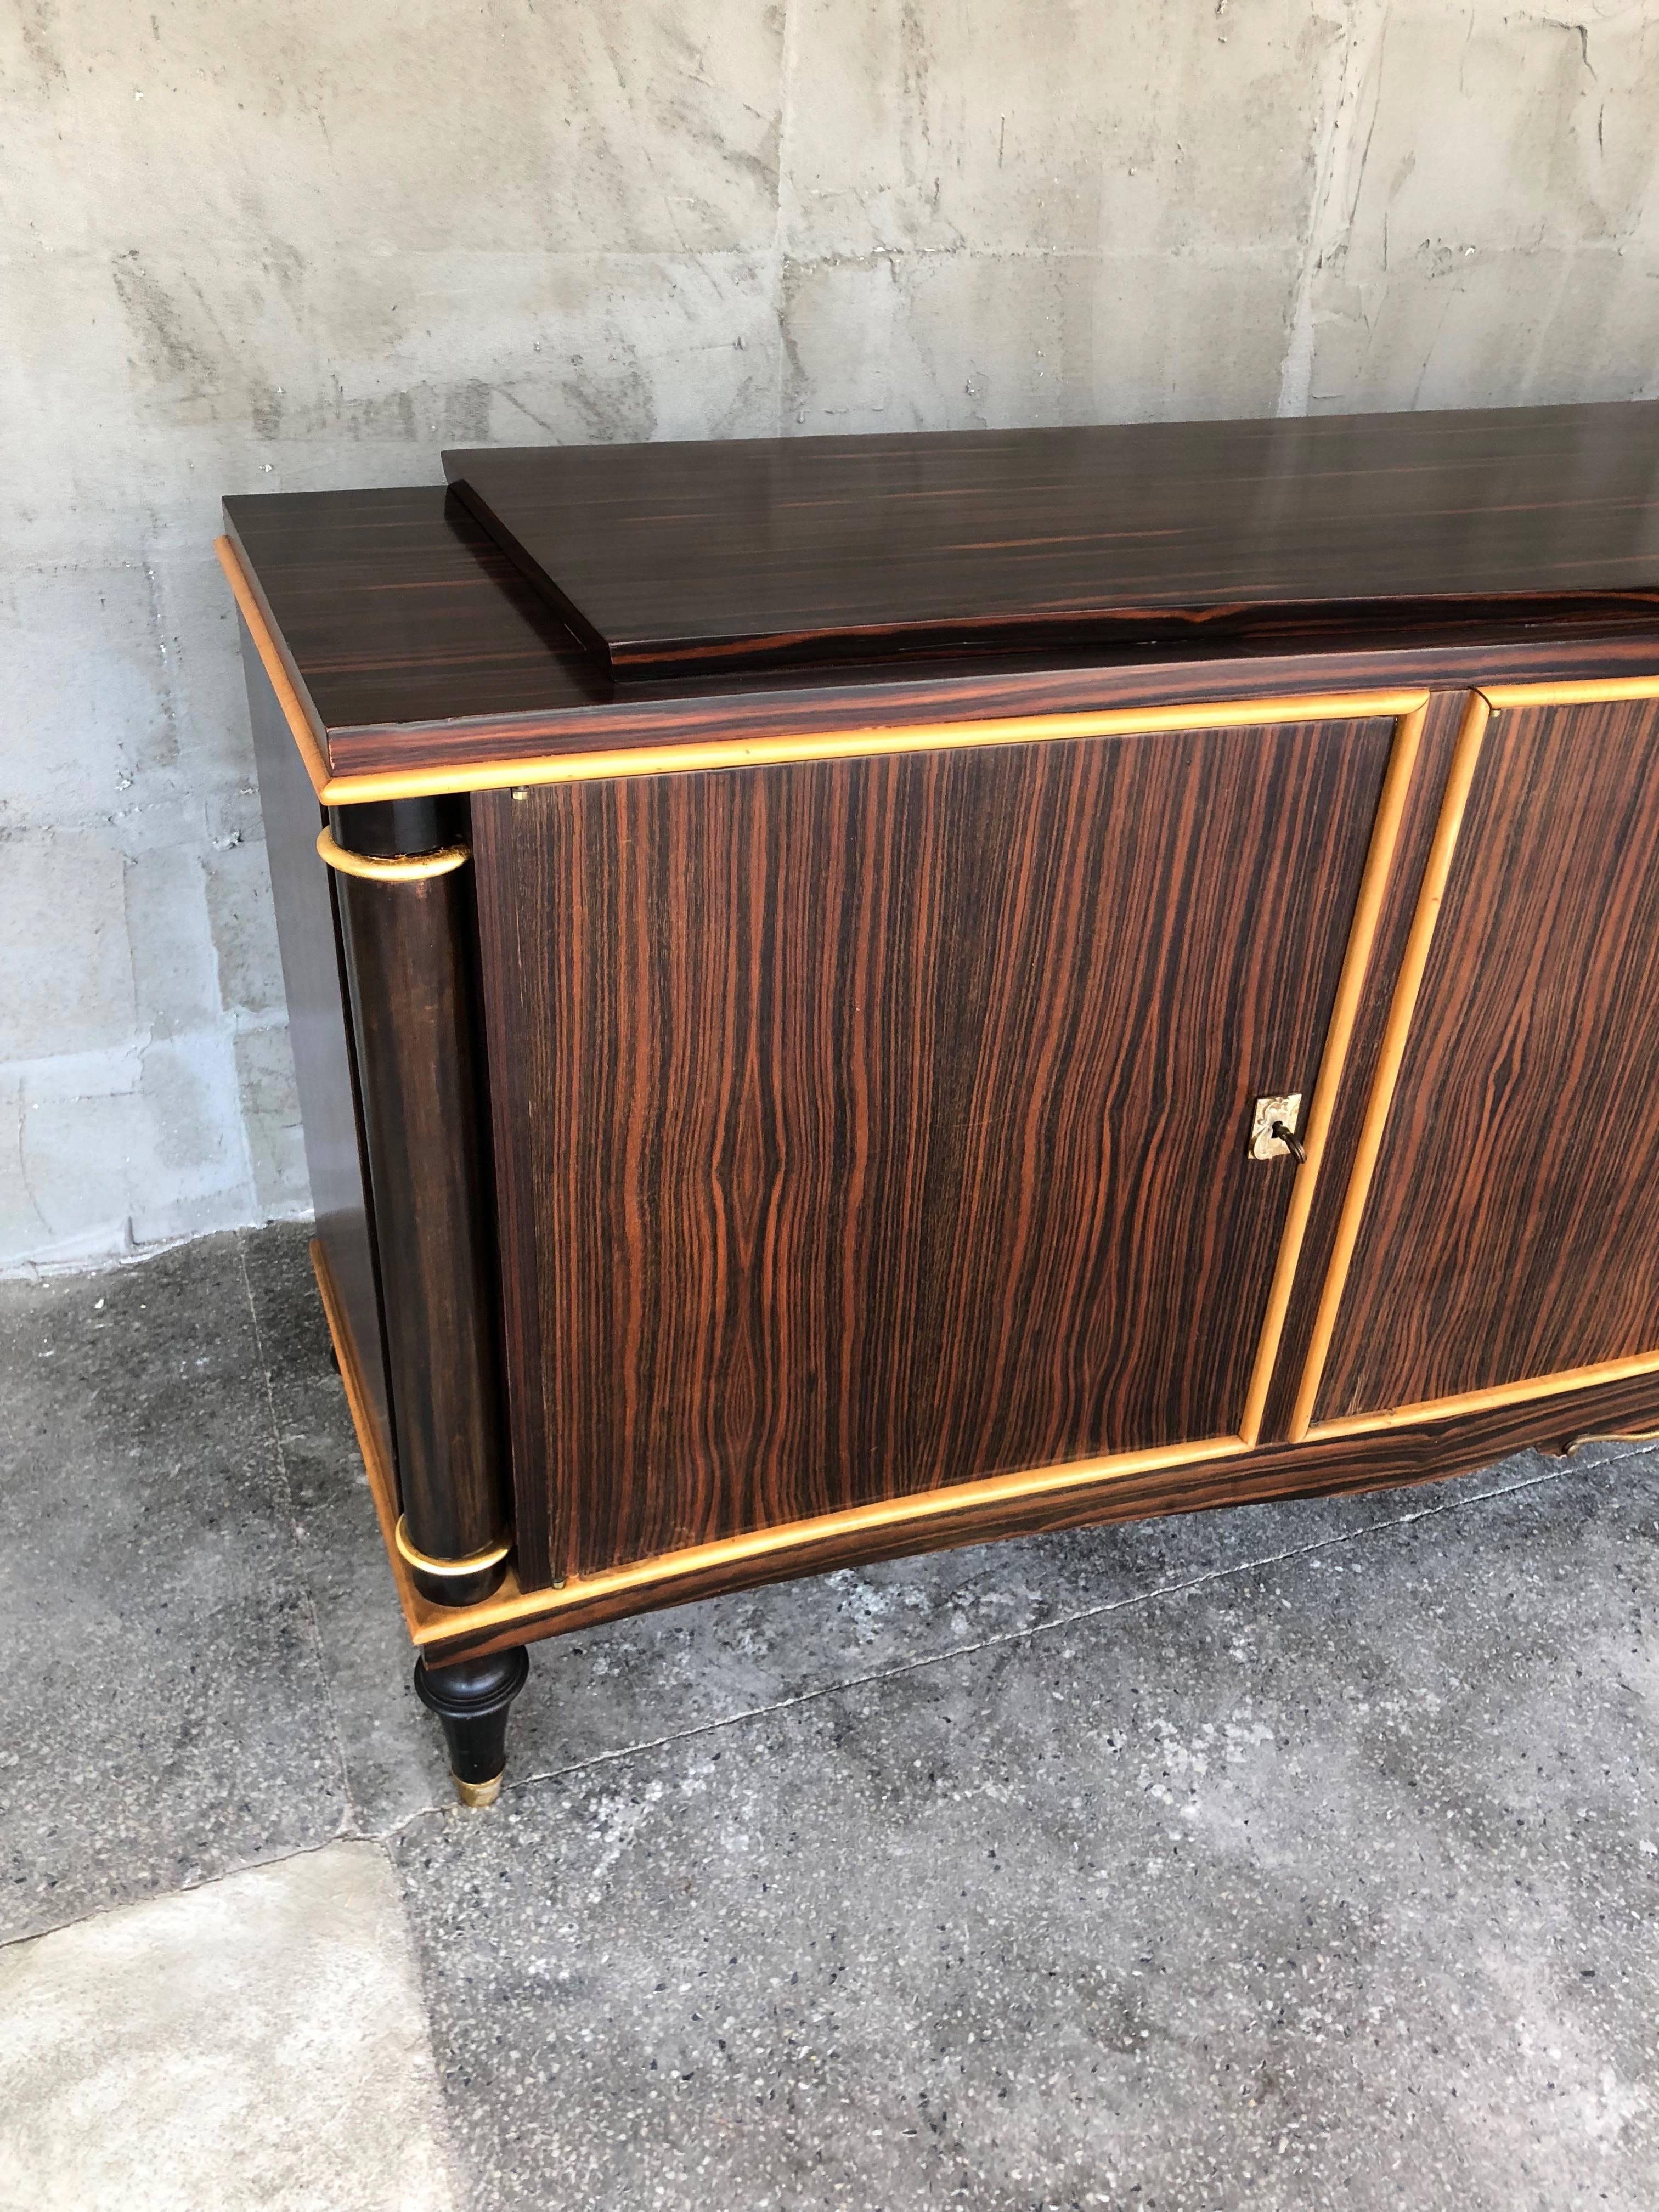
{"x":870,"y":1125}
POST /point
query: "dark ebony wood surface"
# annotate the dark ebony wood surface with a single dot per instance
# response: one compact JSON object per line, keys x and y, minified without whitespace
{"x":1417,"y":831}
{"x":676,"y":556}
{"x":313,"y":980}
{"x":410,"y":961}
{"x":1511,"y":1230}
{"x":418,"y":646}
{"x":872,"y":1125}
{"x":472,"y":1698}
{"x":394,"y":607}
{"x":1383,"y":1459}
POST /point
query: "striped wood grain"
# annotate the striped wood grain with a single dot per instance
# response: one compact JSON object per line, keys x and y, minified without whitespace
{"x":1508,"y":1239}
{"x":1124,"y":1489}
{"x":1333,"y":1065}
{"x":869,"y":1125}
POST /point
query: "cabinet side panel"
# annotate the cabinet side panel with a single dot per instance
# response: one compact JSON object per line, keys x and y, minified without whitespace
{"x":303,"y":891}
{"x":1510,"y":1233}
{"x":870,"y":1126}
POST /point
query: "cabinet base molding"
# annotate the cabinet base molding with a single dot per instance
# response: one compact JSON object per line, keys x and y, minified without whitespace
{"x":1528,"y":1393}
{"x":1408,"y":1445}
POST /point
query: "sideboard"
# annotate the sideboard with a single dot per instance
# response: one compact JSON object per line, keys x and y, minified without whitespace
{"x":854,"y":995}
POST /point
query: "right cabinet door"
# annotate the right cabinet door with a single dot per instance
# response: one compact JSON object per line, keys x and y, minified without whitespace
{"x":1510,"y":1226}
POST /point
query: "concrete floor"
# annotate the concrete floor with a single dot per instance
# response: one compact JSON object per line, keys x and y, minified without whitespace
{"x":1299,"y":1856}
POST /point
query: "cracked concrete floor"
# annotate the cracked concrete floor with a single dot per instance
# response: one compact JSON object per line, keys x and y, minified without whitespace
{"x":1298,"y":1856}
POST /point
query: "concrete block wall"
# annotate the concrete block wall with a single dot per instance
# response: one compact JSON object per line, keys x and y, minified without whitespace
{"x":257,"y":249}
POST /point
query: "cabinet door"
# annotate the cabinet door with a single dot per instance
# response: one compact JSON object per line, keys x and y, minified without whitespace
{"x":868,"y":1125}
{"x":1508,"y":1234}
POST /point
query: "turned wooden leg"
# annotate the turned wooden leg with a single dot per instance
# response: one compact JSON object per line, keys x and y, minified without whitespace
{"x":471,"y":1697}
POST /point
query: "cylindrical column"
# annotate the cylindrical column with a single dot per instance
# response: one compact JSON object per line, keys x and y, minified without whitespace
{"x":405,"y":905}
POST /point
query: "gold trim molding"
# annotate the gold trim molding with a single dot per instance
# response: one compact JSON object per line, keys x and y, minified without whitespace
{"x":1481,"y":706}
{"x":1602,"y":691}
{"x":1465,"y":755}
{"x":474,"y":1563}
{"x":1496,"y":1393}
{"x":288,"y":698}
{"x":1339,"y":1036}
{"x":876,"y":742}
{"x":516,"y":1615}
{"x":871,"y":742}
{"x":428,"y":1622}
{"x":411,"y":868}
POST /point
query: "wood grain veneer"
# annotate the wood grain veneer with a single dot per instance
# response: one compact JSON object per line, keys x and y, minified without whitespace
{"x":588,"y":764}
{"x":1508,"y":1234}
{"x":1435,"y":751}
{"x":258,"y":635}
{"x":880,"y":741}
{"x":1385,"y":1080}
{"x":866,"y":1126}
{"x":672,"y":557}
{"x":1380,"y":867}
{"x":1420,"y":1448}
{"x":416,"y":646}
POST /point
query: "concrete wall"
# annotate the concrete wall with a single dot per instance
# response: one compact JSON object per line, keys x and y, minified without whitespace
{"x":259,"y":248}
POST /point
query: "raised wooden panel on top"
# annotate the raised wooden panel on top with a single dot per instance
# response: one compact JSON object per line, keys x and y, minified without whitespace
{"x":867,"y":1126}
{"x":670,"y":558}
{"x":1207,"y":562}
{"x":1509,"y":1233}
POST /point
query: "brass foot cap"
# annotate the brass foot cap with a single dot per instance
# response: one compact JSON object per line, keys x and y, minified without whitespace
{"x":477,"y":1794}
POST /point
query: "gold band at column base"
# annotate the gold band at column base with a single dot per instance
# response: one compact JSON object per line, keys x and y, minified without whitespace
{"x":408,"y":869}
{"x":477,"y":1794}
{"x":473,"y":1564}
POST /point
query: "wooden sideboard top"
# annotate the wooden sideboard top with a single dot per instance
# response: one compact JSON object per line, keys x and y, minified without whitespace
{"x":669,"y":559}
{"x":1451,"y":548}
